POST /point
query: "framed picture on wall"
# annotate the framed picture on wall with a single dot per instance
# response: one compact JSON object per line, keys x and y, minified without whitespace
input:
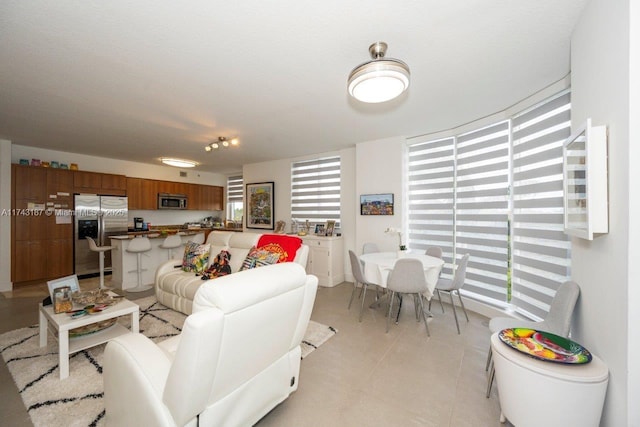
{"x":259,"y":198}
{"x":376,"y":204}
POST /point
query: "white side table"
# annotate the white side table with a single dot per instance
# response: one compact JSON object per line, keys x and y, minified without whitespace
{"x":63,"y":323}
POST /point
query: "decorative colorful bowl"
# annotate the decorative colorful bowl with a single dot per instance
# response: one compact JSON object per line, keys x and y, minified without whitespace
{"x":545,"y":346}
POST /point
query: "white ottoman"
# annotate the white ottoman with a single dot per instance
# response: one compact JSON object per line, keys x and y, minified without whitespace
{"x":534,"y":392}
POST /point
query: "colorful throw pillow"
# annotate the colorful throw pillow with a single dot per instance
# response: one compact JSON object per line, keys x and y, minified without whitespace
{"x":220,"y":266}
{"x":196,"y":257}
{"x":285,"y":246}
{"x":258,"y":258}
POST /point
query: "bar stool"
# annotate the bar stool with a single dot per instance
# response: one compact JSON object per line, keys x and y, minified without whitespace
{"x":101,"y":250}
{"x":170,"y":243}
{"x":137,"y":246}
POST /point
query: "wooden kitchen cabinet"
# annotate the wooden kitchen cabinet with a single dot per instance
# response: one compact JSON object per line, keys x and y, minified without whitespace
{"x":211,"y":198}
{"x":32,"y":180}
{"x":326,"y":259}
{"x":149,"y":196}
{"x":41,"y":248}
{"x":99,"y":183}
{"x":134,"y":193}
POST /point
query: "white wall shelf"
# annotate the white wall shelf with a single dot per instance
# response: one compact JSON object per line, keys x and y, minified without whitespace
{"x":585,"y":182}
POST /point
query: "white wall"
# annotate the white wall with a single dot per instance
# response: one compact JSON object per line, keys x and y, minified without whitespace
{"x":380,"y":170}
{"x":5,"y":218}
{"x":633,"y":336}
{"x":602,"y":267}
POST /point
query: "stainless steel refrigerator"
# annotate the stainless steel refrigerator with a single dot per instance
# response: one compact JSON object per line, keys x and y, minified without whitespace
{"x":97,"y":217}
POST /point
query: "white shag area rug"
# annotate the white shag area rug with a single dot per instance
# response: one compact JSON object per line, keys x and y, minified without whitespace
{"x":77,"y":400}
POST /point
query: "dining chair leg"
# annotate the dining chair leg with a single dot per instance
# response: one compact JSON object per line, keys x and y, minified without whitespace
{"x":424,"y":317}
{"x":399,"y":308}
{"x":486,"y":368}
{"x":440,"y":300}
{"x":416,"y":306}
{"x":462,"y":304}
{"x":353,"y":292}
{"x":364,"y":294}
{"x":492,"y":374}
{"x":455,"y":315}
{"x":390,"y":308}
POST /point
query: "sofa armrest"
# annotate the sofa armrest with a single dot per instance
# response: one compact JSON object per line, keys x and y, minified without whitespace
{"x":302,"y":256}
{"x":167,"y":266}
{"x":135,"y":373}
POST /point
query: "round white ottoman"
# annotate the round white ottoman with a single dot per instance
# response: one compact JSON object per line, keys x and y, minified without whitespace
{"x":534,"y":392}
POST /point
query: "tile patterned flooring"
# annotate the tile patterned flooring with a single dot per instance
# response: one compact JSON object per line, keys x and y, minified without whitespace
{"x":360,"y":377}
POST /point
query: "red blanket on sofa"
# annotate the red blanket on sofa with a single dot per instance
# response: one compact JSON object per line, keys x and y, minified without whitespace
{"x":286,"y":246}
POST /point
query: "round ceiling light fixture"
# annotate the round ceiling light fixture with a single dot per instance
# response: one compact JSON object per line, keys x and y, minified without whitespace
{"x":380,"y":79}
{"x":179,"y":163}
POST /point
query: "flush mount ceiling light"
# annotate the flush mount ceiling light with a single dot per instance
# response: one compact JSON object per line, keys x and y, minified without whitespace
{"x":179,"y":163}
{"x":222,"y":142}
{"x":379,"y":80}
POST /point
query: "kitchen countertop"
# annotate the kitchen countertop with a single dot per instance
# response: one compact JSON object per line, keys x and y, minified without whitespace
{"x":154,"y":234}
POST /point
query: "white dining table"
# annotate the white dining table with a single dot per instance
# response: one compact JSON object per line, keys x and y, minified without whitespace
{"x":378,"y":265}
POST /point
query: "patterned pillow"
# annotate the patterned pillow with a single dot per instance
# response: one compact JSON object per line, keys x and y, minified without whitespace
{"x":258,"y":258}
{"x":196,"y":257}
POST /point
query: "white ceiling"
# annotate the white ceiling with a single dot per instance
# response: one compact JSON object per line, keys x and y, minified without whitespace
{"x":141,"y":79}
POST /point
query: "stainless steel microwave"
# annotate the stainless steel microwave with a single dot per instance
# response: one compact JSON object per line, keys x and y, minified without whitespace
{"x":172,"y":201}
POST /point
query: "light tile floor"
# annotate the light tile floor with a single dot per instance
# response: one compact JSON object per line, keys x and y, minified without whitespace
{"x":360,"y":377}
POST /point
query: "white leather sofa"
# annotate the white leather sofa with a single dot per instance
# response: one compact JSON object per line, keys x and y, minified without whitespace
{"x":176,"y":289}
{"x":237,"y":357}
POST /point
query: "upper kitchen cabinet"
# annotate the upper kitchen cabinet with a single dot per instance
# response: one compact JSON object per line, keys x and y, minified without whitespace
{"x":117,"y":184}
{"x":59,"y":193}
{"x":211,"y":198}
{"x":99,"y":183}
{"x":142,"y":193}
{"x":134,"y":193}
{"x":29,"y":182}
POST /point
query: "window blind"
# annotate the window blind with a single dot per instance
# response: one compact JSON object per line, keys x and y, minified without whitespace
{"x":315,"y":190}
{"x":541,"y":250}
{"x":482,"y":209}
{"x":235,"y":189}
{"x":430,"y":197}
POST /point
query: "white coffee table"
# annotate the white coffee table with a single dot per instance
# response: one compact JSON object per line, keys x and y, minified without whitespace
{"x":63,"y":323}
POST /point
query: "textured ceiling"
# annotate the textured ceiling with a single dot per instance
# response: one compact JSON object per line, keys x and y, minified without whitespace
{"x":144,"y":79}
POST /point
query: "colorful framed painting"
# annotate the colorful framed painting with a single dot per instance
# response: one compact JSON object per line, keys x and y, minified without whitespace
{"x":376,"y":204}
{"x":259,"y":198}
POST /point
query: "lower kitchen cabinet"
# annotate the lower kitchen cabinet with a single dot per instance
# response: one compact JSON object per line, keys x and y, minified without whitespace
{"x":326,"y":259}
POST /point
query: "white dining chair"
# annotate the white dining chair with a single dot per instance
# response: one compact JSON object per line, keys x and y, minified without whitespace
{"x":358,"y":277}
{"x":407,"y":277}
{"x":434,"y":251}
{"x":557,"y":321}
{"x":453,"y":286}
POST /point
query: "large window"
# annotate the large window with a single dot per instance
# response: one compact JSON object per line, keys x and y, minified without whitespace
{"x":496,"y":193}
{"x":235,"y":198}
{"x":315,"y":190}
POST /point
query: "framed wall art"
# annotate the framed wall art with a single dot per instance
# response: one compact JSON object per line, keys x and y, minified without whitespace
{"x":260,"y":205}
{"x":376,"y":204}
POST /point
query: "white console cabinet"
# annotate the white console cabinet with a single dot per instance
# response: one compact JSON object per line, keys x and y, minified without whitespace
{"x":326,"y":259}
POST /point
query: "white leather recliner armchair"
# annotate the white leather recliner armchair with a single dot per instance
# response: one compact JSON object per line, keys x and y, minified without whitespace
{"x":238,"y":355}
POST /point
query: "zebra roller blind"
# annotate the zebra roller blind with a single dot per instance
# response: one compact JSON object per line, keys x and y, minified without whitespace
{"x":541,"y":250}
{"x":496,"y":193}
{"x":235,"y":189}
{"x":482,"y":209}
{"x":315,"y":190}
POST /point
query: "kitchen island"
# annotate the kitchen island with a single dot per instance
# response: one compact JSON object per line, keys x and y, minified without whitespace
{"x":124,"y":263}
